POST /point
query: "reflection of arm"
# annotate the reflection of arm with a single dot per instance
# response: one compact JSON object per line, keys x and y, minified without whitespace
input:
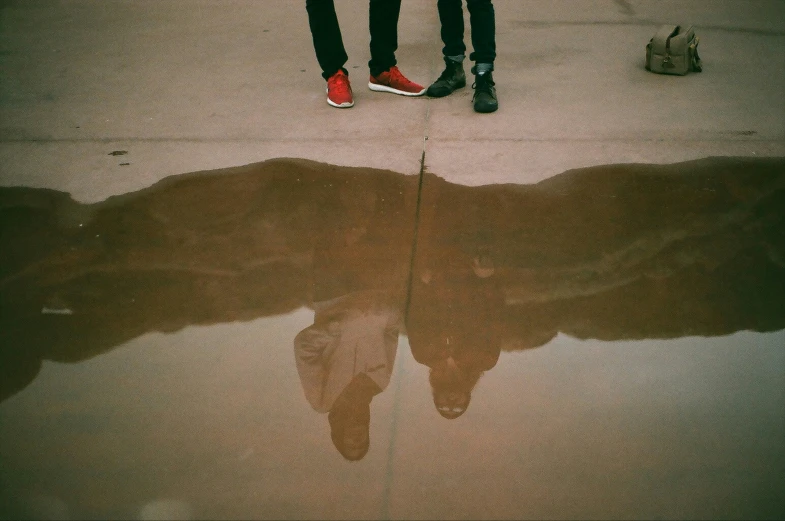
{"x":309,"y":347}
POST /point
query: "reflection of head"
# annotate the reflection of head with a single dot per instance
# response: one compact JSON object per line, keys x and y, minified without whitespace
{"x":452,"y":388}
{"x":350,"y":431}
{"x":350,"y":418}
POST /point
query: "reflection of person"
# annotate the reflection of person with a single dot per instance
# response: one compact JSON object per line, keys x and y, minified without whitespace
{"x":330,"y":52}
{"x":346,"y":358}
{"x":455,"y":371}
{"x":483,"y":24}
{"x":453,"y":329}
{"x":614,"y":253}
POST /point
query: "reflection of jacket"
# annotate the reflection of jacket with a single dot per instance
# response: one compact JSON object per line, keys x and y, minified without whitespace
{"x":455,"y":315}
{"x":351,"y":335}
{"x":434,"y":335}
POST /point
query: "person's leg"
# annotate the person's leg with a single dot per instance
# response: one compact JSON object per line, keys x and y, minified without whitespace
{"x":451,"y":18}
{"x":483,"y":21}
{"x":453,"y":77}
{"x":383,"y":25}
{"x":385,"y":76}
{"x":326,"y":33}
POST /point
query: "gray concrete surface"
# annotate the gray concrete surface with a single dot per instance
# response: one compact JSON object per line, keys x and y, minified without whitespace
{"x":195,"y":85}
{"x":188,"y":85}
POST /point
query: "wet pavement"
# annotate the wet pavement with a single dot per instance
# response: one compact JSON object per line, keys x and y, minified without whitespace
{"x":291,"y":339}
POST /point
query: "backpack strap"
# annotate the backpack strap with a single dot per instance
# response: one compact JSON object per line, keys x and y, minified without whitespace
{"x":664,"y":35}
{"x":661,"y":43}
{"x":697,"y":64}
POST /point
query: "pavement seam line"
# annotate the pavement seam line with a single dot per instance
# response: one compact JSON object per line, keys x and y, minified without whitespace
{"x":388,"y":478}
{"x":385,"y":514}
{"x":415,"y":234}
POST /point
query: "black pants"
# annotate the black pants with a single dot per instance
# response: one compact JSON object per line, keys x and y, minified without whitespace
{"x":328,"y":43}
{"x":483,"y":24}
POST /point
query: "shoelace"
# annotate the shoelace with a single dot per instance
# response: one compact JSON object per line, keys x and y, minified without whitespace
{"x":396,"y":76}
{"x":482,"y":85}
{"x":340,"y":84}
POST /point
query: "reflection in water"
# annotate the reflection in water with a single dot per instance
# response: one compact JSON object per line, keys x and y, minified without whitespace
{"x":208,"y":248}
{"x":358,"y":279}
{"x":611,"y":253}
{"x":346,"y":358}
{"x":620,"y":252}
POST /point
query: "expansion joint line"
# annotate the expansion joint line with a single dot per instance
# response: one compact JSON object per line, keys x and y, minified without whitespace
{"x":415,"y":235}
{"x":416,"y":230}
{"x":401,"y":359}
{"x":399,"y":375}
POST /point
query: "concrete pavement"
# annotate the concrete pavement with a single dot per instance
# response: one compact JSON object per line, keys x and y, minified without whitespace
{"x":197,"y":85}
{"x":182,"y":86}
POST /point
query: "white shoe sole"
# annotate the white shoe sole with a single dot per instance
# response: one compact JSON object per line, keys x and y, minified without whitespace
{"x":384,"y":88}
{"x":340,"y":105}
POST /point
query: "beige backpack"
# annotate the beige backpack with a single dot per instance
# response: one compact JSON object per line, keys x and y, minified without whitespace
{"x":673,"y":51}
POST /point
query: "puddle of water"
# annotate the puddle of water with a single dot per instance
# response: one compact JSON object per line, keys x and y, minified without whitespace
{"x":607,"y":343}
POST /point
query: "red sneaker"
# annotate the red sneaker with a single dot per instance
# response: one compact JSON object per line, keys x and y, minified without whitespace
{"x":339,"y":91}
{"x":395,"y":82}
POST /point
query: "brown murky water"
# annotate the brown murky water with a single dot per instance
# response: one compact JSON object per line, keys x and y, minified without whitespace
{"x":297,"y":340}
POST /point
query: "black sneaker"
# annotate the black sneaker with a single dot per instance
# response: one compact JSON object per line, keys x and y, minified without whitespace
{"x":485,"y":93}
{"x":452,"y":78}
